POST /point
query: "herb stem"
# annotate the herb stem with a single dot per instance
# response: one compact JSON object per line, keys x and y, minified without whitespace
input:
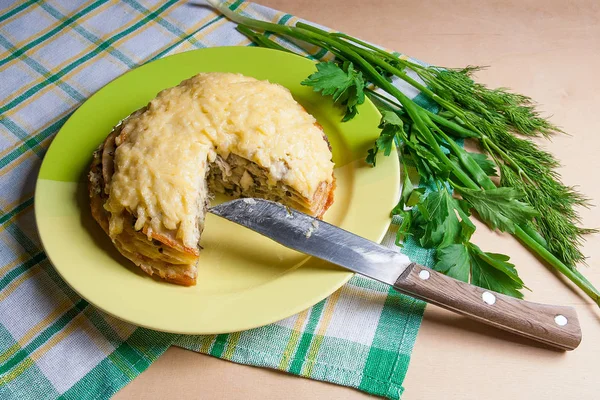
{"x":493,"y":147}
{"x":369,"y":46}
{"x":576,"y":278}
{"x":261,"y":40}
{"x":383,"y":98}
{"x":460,"y":130}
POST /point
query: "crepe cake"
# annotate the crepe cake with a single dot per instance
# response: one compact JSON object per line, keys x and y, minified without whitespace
{"x":151,"y":180}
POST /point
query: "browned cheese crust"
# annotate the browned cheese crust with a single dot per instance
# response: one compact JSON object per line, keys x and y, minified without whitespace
{"x":162,"y":255}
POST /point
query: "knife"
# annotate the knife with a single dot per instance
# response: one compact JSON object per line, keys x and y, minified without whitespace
{"x":556,"y":326}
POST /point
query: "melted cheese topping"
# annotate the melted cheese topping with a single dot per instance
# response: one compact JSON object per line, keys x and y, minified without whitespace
{"x":163,"y":152}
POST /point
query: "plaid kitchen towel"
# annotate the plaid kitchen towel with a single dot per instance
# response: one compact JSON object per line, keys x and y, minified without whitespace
{"x":55,"y":54}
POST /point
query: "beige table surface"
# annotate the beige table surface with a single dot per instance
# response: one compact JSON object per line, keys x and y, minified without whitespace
{"x":549,"y":50}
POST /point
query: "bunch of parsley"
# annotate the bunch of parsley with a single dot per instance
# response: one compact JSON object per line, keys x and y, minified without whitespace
{"x":513,"y":186}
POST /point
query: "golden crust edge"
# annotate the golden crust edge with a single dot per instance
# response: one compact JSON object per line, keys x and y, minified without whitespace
{"x":100,"y":215}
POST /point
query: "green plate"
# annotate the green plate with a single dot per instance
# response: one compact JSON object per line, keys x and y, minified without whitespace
{"x":244,"y":279}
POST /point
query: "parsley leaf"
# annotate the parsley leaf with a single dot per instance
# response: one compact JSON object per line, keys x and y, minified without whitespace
{"x":428,"y":164}
{"x":372,"y":156}
{"x":484,"y":163}
{"x":441,"y":222}
{"x":391,"y":128}
{"x":409,"y":197}
{"x":391,"y":131}
{"x":345,"y":85}
{"x":467,"y":229}
{"x":494,"y":272}
{"x":405,"y":228}
{"x":468,"y":263}
{"x":437,"y":223}
{"x":499,"y":208}
{"x":454,"y":261}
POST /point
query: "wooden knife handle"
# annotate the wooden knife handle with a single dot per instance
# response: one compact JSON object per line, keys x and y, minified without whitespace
{"x":556,"y":326}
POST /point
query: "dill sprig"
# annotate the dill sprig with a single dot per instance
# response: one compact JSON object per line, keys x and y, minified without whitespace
{"x":557,"y":220}
{"x":503,"y":109}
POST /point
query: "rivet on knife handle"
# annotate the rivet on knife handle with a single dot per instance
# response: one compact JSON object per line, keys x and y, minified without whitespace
{"x":556,"y":326}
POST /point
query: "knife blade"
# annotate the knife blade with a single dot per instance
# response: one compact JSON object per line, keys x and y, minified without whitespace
{"x":556,"y":326}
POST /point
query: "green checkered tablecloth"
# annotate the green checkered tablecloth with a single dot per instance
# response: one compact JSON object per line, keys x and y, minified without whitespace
{"x":54,"y":55}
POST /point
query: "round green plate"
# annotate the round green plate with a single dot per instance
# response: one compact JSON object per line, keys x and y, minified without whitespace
{"x":244,"y":279}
